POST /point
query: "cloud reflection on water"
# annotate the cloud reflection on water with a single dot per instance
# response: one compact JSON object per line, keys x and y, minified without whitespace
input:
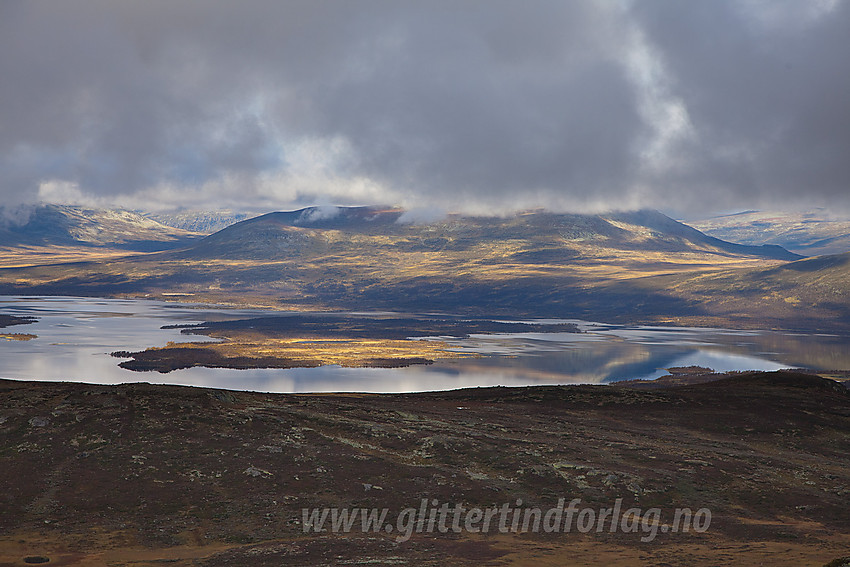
{"x":75,"y":336}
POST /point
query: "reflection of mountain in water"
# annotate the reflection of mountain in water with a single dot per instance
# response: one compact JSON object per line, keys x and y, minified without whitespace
{"x":592,"y":362}
{"x":619,"y":354}
{"x":825,"y":352}
{"x":603,"y":353}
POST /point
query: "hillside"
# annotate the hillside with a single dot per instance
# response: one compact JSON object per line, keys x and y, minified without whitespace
{"x":65,"y":225}
{"x":141,"y":474}
{"x":813,"y":292}
{"x":810,"y":234}
{"x":204,"y":222}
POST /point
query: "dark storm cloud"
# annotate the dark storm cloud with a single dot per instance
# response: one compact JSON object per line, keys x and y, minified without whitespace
{"x":766,"y":86}
{"x":459,"y":104}
{"x":491,"y":100}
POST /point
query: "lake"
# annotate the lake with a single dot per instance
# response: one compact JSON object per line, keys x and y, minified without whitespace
{"x":76,"y":335}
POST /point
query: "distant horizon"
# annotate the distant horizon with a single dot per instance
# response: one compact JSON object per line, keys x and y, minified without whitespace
{"x":823,"y":212}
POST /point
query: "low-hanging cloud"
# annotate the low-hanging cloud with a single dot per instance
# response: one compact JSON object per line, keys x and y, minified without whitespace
{"x":467,"y":105}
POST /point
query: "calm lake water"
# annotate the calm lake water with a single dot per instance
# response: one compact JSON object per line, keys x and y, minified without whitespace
{"x":76,"y":335}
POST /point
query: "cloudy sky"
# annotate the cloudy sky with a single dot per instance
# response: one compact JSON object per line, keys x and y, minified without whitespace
{"x":455,"y":105}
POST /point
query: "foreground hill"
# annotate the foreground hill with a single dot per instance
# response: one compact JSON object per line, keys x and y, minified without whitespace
{"x":809,"y":234}
{"x":141,"y":474}
{"x":65,"y":225}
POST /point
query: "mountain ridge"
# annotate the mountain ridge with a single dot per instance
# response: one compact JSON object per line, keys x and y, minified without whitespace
{"x":71,"y":225}
{"x":630,"y":230}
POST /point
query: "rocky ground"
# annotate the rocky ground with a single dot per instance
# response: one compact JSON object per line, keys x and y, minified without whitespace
{"x":142,"y":474}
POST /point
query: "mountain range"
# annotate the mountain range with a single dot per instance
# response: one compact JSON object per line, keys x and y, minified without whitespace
{"x":809,"y":233}
{"x":638,"y":266}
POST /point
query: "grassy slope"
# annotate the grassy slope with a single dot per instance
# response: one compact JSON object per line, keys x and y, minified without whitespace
{"x":813,"y":293}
